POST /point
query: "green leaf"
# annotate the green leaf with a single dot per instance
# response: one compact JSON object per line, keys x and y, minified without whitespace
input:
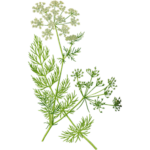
{"x":53,"y":68}
{"x":71,"y":53}
{"x":69,"y":102}
{"x":47,"y":102}
{"x":75,"y":133}
{"x":60,"y":59}
{"x":40,"y":52}
{"x":42,"y":66}
{"x":80,"y":36}
{"x":39,"y":56}
{"x":64,"y":86}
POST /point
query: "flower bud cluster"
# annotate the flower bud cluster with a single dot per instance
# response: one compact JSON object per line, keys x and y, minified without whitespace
{"x":99,"y":82}
{"x":117,"y":103}
{"x":94,"y":73}
{"x":77,"y":74}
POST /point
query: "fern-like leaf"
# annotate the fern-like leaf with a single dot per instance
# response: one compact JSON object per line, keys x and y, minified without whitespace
{"x":75,"y":133}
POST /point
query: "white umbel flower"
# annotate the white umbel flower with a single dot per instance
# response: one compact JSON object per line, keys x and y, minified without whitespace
{"x":47,"y":34}
{"x":37,"y":23}
{"x":39,"y":7}
{"x":74,"y":21}
{"x":63,"y":30}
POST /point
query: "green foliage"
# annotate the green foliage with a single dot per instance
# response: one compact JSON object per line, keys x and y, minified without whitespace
{"x":76,"y":133}
{"x":60,"y":59}
{"x":55,"y":107}
{"x":38,"y":56}
{"x":80,"y":36}
{"x":71,"y":53}
{"x":65,"y":85}
{"x":50,"y":103}
{"x":66,"y":105}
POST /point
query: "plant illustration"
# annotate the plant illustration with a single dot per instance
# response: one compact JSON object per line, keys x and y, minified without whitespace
{"x":51,"y":90}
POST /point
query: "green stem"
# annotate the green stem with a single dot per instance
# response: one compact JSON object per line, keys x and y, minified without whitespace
{"x":60,"y":71}
{"x":81,"y":91}
{"x":91,"y":90}
{"x":61,"y":118}
{"x":48,"y":130}
{"x":92,"y":95}
{"x":59,"y":41}
{"x":46,"y":134}
{"x":58,"y":82}
{"x":87,"y":106}
{"x":82,"y":134}
{"x":80,"y":105}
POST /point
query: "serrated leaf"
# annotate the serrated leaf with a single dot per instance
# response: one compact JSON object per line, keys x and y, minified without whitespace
{"x":72,"y":136}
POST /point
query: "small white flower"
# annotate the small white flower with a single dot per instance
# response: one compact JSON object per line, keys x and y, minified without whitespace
{"x":63,"y":30}
{"x":39,"y":7}
{"x":52,"y":11}
{"x":37,"y":23}
{"x":73,"y":10}
{"x":47,"y":34}
{"x":59,"y":4}
{"x":60,"y":19}
{"x":74,"y":21}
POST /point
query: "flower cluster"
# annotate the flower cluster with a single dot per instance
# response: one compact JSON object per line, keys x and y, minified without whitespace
{"x":94,"y":73}
{"x":53,"y":14}
{"x":117,"y":103}
{"x":77,"y":74}
{"x":99,"y":82}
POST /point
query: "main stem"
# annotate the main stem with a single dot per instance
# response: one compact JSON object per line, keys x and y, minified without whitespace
{"x":51,"y":117}
{"x":60,"y":71}
{"x":66,"y":114}
{"x":57,"y":91}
